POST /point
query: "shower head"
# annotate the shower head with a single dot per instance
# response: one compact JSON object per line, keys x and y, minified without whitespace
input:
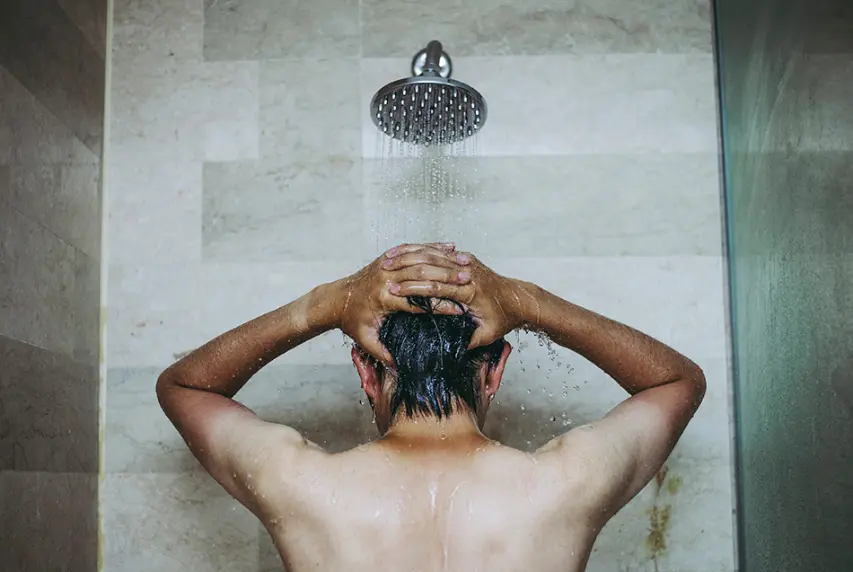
{"x":429,"y":108}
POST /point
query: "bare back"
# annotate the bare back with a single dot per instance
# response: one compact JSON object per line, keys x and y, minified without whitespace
{"x":444,"y":508}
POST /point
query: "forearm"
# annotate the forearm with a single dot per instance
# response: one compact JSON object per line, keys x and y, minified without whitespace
{"x":636,"y":361}
{"x":226,"y":363}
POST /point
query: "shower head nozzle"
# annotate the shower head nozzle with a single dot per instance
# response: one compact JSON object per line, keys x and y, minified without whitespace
{"x":429,"y":108}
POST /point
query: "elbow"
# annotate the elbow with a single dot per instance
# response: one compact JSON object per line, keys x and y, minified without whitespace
{"x":166,"y":383}
{"x":696,"y":378}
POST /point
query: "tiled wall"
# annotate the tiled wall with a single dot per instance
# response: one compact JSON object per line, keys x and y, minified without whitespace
{"x":242,"y":167}
{"x":788,"y":88}
{"x":51,"y":128}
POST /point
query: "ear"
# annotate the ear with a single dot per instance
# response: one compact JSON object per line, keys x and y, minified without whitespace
{"x":368,"y":371}
{"x":495,"y":373}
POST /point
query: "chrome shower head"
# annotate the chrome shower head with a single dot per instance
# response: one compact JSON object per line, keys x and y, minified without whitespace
{"x":429,"y":108}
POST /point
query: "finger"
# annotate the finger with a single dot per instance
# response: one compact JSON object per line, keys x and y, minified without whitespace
{"x":448,"y":307}
{"x":378,"y":351}
{"x":426,"y":256}
{"x":462,"y":294}
{"x":427,"y":272}
{"x":392,"y":302}
{"x":406,"y":248}
{"x":445,"y":246}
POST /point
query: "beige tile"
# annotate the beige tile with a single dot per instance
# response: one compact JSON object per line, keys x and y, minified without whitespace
{"x":320,"y":401}
{"x":310,"y":109}
{"x":287,"y":210}
{"x":37,"y":272}
{"x":30,"y":133}
{"x":698,"y":536}
{"x":50,"y":521}
{"x":49,"y":411}
{"x":701,"y":532}
{"x":546,"y":392}
{"x":159,"y":311}
{"x":175,"y":523}
{"x":49,"y":55}
{"x":185,"y":112}
{"x":64,"y":198}
{"x":551,"y":206}
{"x":499,"y":27}
{"x":678,"y":300}
{"x":270,"y":29}
{"x":561,"y":105}
{"x":155,"y":33}
{"x":154,"y":212}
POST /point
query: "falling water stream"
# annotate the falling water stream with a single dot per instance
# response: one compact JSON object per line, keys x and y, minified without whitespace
{"x":429,"y":193}
{"x":423,"y":193}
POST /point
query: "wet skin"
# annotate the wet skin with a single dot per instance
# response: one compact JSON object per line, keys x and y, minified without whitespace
{"x":432,"y":495}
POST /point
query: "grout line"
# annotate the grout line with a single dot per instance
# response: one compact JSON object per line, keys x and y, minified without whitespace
{"x":102,"y":365}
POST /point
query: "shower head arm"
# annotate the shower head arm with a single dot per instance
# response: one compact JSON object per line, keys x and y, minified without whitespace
{"x":432,"y":66}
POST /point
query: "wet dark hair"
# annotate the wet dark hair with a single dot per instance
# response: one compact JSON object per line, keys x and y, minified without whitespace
{"x":435,"y":369}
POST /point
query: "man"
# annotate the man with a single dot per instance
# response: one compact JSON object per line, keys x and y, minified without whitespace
{"x":433,"y":493}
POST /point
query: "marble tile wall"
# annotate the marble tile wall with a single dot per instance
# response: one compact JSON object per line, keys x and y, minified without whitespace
{"x":244,"y":170}
{"x":52,"y":72}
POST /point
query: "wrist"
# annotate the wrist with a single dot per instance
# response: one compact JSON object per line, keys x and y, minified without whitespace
{"x":528,"y":301}
{"x":323,"y":307}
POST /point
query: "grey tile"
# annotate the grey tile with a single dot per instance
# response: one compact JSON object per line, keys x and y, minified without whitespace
{"x":155,"y":33}
{"x":5,"y":184}
{"x":30,"y":133}
{"x":310,"y":108}
{"x":65,"y":198}
{"x":175,"y":523}
{"x":283,"y":210}
{"x":49,"y":291}
{"x":91,"y":17}
{"x":830,"y":28}
{"x":322,"y":402}
{"x":86,"y":298}
{"x":270,"y":29}
{"x":589,"y":104}
{"x":49,"y":521}
{"x":37,"y":272}
{"x":49,"y":411}
{"x":580,"y":205}
{"x":502,"y":27}
{"x":50,"y":56}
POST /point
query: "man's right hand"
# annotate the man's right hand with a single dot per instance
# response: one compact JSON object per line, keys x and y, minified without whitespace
{"x":498,"y":304}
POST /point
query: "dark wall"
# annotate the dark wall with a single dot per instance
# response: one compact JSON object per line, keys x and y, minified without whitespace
{"x":52,"y":74}
{"x":787,"y":95}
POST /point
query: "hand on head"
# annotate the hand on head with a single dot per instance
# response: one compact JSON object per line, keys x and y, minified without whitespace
{"x":435,"y":271}
{"x":498,"y":304}
{"x":368,"y":295}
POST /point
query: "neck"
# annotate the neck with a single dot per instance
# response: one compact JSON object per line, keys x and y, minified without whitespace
{"x":459,"y":426}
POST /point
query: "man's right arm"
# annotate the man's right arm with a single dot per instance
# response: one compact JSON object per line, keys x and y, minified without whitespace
{"x":627,"y":447}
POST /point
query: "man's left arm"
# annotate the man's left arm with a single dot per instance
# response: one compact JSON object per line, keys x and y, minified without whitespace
{"x":196,"y":392}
